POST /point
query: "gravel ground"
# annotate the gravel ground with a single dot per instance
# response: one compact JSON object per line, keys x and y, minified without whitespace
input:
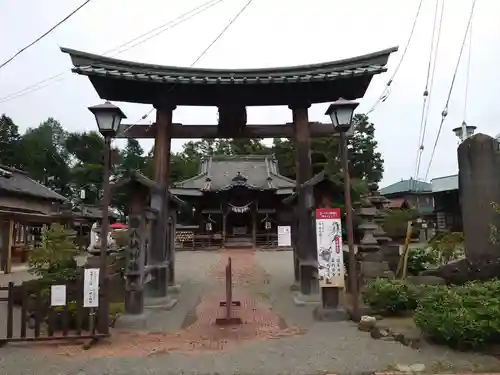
{"x":333,"y":347}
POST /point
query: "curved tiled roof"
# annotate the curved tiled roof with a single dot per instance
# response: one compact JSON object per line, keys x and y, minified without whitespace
{"x":217,"y":173}
{"x":123,"y":80}
{"x":18,"y":182}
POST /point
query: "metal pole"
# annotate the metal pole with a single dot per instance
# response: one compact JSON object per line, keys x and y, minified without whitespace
{"x":103,"y":274}
{"x":353,"y":280}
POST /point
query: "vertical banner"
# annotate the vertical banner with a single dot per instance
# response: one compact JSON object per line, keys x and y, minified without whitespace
{"x":91,"y":287}
{"x":329,"y":247}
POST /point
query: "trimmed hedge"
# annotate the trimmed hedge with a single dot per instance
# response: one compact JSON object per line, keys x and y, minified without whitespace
{"x":466,"y":316}
{"x":390,"y":297}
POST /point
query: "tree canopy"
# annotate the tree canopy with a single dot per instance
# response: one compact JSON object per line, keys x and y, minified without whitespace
{"x":70,"y":162}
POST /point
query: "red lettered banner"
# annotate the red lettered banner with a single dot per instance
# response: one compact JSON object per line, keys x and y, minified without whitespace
{"x":327,"y":213}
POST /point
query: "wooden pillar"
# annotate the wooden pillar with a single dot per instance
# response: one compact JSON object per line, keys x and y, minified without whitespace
{"x":254,"y":228}
{"x":161,"y":253}
{"x":136,"y":253}
{"x":305,"y":253}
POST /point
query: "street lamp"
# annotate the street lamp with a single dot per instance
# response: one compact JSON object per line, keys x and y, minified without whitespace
{"x":341,"y":113}
{"x":108,"y":118}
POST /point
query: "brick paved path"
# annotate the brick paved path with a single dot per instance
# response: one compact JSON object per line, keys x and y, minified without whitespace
{"x":261,"y":346}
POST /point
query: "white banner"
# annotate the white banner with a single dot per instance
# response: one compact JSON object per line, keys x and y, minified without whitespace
{"x":329,"y":247}
{"x":284,"y":235}
{"x":91,"y":287}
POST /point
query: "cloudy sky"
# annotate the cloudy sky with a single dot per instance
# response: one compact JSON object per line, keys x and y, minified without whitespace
{"x":269,"y":33}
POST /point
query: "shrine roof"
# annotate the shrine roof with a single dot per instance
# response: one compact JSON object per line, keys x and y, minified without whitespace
{"x":129,"y":81}
{"x":219,"y":173}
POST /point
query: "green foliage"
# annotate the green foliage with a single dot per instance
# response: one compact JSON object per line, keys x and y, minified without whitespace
{"x":461,"y":316}
{"x":9,"y":142}
{"x":396,"y":222}
{"x":390,"y":297}
{"x":447,"y":247}
{"x":53,"y":260}
{"x":421,"y":259}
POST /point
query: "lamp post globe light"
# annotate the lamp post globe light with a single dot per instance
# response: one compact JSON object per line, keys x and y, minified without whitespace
{"x":108,"y":118}
{"x":341,"y":114}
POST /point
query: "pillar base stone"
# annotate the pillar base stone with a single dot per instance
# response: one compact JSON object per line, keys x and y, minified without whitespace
{"x":322,"y":314}
{"x":132,"y":321}
{"x":301,"y":299}
{"x":162,"y":303}
{"x":175,"y":289}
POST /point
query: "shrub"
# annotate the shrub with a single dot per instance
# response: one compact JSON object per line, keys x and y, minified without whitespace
{"x":53,"y":260}
{"x":461,"y":316}
{"x":420,"y":259}
{"x":390,"y":297}
{"x":396,"y":222}
{"x":447,"y":247}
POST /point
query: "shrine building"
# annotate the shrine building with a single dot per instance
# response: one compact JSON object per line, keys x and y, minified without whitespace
{"x":237,"y":201}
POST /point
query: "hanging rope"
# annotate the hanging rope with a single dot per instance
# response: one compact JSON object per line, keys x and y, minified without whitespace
{"x":431,"y":69}
{"x":387,"y":89}
{"x":445,"y":110}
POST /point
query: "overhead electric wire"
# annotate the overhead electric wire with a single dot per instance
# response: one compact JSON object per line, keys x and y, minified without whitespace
{"x":387,"y":89}
{"x":467,"y":75}
{"x":212,"y":43}
{"x":43,"y":35}
{"x":431,"y":69}
{"x":167,"y":26}
{"x":445,"y":110}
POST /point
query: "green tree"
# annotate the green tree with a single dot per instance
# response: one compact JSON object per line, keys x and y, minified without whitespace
{"x":42,"y":154}
{"x":86,"y":151}
{"x":365,"y":162}
{"x":9,"y":138}
{"x":132,"y":157}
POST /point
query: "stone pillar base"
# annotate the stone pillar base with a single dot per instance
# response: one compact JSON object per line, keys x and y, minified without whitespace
{"x":132,"y":321}
{"x":157,"y":286}
{"x":164,"y":303}
{"x":306,"y":299}
{"x":174,"y":289}
{"x":330,"y":315}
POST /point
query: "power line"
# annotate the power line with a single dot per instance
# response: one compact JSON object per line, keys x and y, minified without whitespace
{"x":44,"y":34}
{"x":431,"y":69}
{"x":165,"y":27}
{"x":212,"y":43}
{"x":387,"y":89}
{"x":445,"y":110}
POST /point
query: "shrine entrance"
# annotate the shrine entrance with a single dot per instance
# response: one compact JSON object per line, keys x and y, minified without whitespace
{"x":232,"y":91}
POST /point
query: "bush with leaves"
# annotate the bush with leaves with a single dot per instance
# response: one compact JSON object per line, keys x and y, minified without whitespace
{"x":465,"y":316}
{"x":390,"y":297}
{"x":396,"y":222}
{"x":53,"y":260}
{"x":447,"y":247}
{"x":420,"y":259}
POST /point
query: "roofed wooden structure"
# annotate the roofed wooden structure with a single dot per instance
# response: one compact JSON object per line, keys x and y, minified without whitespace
{"x":129,"y":81}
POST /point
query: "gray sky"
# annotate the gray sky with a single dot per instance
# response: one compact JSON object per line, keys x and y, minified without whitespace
{"x":268,"y":33}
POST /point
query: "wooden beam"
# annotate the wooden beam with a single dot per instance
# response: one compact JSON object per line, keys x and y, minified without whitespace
{"x":317,"y":129}
{"x":10,"y":245}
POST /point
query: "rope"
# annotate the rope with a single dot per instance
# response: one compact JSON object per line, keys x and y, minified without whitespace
{"x":431,"y":68}
{"x":445,"y":110}
{"x":387,"y":89}
{"x":201,"y":55}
